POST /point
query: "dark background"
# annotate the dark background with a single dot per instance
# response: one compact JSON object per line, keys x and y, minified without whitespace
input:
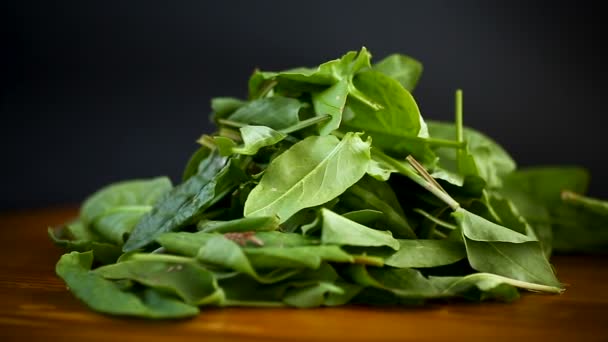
{"x":97,"y":92}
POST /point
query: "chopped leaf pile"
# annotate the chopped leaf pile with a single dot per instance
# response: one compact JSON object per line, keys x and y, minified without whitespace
{"x":326,"y":187}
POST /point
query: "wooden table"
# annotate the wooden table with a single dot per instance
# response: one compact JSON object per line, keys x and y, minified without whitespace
{"x":35,"y":305}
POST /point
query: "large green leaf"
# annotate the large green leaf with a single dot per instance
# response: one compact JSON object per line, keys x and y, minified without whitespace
{"x":310,"y":173}
{"x":105,"y":296}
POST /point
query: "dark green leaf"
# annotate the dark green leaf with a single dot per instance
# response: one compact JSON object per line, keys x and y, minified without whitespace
{"x":185,"y":202}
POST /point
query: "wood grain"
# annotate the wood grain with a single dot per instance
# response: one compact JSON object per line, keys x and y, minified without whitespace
{"x":35,"y":305}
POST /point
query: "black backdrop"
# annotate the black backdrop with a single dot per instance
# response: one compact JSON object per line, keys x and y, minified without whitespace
{"x":97,"y":92}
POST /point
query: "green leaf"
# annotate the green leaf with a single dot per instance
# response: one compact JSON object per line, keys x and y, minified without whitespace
{"x":339,"y":230}
{"x":105,"y":296}
{"x":311,"y":296}
{"x":545,"y":184}
{"x":224,"y":106}
{"x":143,"y":192}
{"x":184,"y":243}
{"x":331,"y":101}
{"x":366,"y":217}
{"x":195,"y":161}
{"x":399,"y":116}
{"x":310,"y":173}
{"x":536,"y":193}
{"x":239,"y":225}
{"x":495,"y":249}
{"x":580,"y":224}
{"x":295,"y":257}
{"x":180,"y":276}
{"x":222,"y":252}
{"x":185,"y":202}
{"x":405,"y":69}
{"x":486,"y":158}
{"x":254,"y":138}
{"x":426,"y":253}
{"x":76,"y":237}
{"x":480,"y":286}
{"x":276,"y":112}
{"x":117,"y":223}
{"x":337,"y":75}
{"x":371,"y":193}
{"x":403,"y":282}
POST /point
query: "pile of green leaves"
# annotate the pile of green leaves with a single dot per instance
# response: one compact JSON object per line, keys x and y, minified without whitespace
{"x":327,"y":187}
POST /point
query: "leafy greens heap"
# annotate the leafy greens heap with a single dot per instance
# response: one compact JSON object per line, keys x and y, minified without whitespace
{"x":327,"y":187}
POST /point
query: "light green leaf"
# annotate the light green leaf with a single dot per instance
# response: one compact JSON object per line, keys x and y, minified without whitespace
{"x":310,"y":173}
{"x":405,"y":69}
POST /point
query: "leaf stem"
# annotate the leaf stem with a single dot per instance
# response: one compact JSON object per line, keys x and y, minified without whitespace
{"x":305,"y":123}
{"x":458,"y":114}
{"x":231,"y":123}
{"x":266,"y":88}
{"x":435,"y":219}
{"x":354,"y":92}
{"x":442,"y":142}
{"x":408,"y":171}
{"x":207,"y":141}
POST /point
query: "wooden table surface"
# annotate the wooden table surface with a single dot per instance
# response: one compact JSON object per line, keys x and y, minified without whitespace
{"x":35,"y":305}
